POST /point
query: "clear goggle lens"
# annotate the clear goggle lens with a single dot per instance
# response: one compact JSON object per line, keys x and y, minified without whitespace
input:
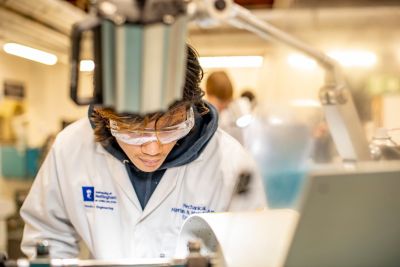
{"x":165,"y":135}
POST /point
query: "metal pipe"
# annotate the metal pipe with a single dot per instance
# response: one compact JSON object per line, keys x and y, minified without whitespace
{"x":340,"y":113}
{"x":242,"y":18}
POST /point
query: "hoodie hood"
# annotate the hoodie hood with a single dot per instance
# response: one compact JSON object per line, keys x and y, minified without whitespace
{"x":190,"y":147}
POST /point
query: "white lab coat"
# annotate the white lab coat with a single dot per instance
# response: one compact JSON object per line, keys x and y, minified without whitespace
{"x":227,"y":119}
{"x":106,"y":214}
{"x":228,"y":124}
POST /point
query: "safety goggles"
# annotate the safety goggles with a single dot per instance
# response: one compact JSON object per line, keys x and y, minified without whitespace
{"x":168,"y":128}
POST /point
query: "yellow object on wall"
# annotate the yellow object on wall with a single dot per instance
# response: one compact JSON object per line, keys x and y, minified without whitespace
{"x":9,"y":110}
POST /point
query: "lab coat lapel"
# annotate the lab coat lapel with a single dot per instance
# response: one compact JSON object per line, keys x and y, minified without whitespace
{"x":165,"y":187}
{"x":119,"y":174}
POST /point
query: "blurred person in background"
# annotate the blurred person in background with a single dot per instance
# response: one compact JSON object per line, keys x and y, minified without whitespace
{"x":248,"y":93}
{"x":219,"y":91}
{"x":123,"y":184}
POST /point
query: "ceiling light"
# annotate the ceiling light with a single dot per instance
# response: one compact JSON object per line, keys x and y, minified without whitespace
{"x":30,"y":53}
{"x":354,"y":58}
{"x":231,"y":62}
{"x":305,"y":103}
{"x":86,"y":65}
{"x":301,"y":62}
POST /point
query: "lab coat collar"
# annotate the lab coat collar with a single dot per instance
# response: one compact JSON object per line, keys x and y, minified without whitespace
{"x":166,"y":186}
{"x":119,"y":174}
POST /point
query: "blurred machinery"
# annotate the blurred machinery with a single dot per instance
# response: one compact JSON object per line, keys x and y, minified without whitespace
{"x":348,"y":217}
{"x":383,"y":147}
{"x":7,"y":208}
{"x":15,"y":227}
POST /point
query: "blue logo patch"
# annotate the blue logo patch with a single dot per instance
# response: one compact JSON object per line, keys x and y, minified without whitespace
{"x":88,"y":193}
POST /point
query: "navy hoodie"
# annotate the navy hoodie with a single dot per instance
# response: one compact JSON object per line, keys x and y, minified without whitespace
{"x":185,"y":151}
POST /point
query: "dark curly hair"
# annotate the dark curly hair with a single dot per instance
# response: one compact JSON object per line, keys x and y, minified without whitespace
{"x":192,"y":94}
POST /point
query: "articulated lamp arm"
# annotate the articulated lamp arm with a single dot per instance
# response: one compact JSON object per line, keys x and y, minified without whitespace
{"x":341,"y":115}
